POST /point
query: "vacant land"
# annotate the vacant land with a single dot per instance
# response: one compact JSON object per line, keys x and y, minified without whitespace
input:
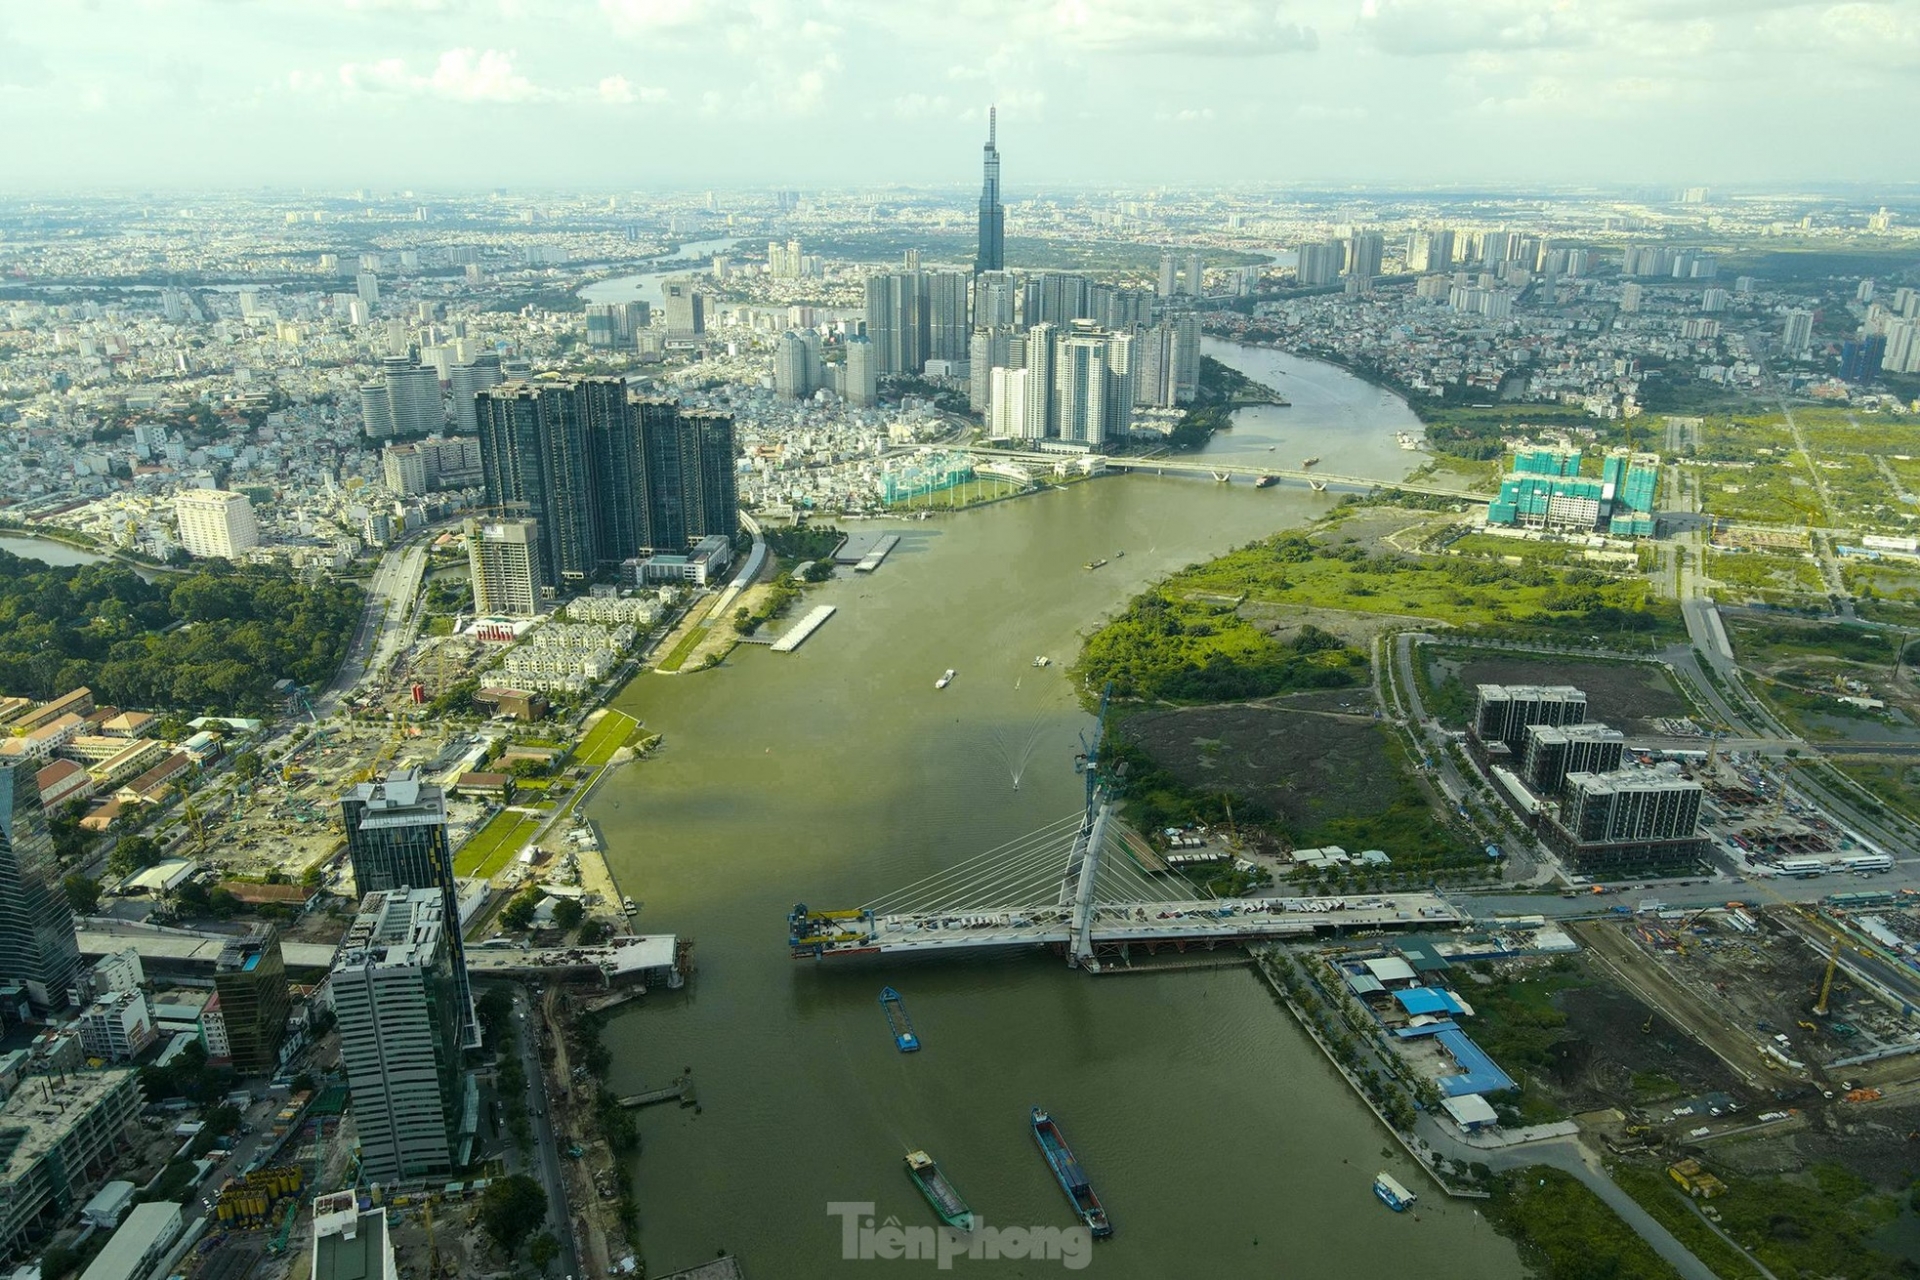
{"x":495,"y":845}
{"x":1312,"y":770}
{"x":614,"y":731}
{"x":1626,"y":695}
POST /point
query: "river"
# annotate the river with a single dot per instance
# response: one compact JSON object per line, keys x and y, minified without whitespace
{"x":1222,"y":1142}
{"x":646,"y":287}
{"x":47,"y":551}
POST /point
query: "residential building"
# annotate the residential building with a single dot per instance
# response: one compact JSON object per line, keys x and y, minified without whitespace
{"x":1316,"y":265}
{"x":612,"y":326}
{"x":503,"y":562}
{"x":63,"y":1133}
{"x":1169,"y":277}
{"x":469,"y":380}
{"x":897,"y":320}
{"x":404,"y":468}
{"x":38,"y":949}
{"x":397,"y":839}
{"x":996,"y":300}
{"x":1553,"y":751}
{"x":948,"y":294}
{"x":1502,"y":713}
{"x":117,"y":1026}
{"x":1365,"y":250}
{"x":1042,"y":420}
{"x":992,"y":252}
{"x":862,"y":383}
{"x":1628,"y":819}
{"x":1006,"y":416}
{"x":397,"y":994}
{"x":796,"y":364}
{"x":250,"y":978}
{"x":215,"y":524}
{"x":403,"y":401}
{"x":1093,"y":386}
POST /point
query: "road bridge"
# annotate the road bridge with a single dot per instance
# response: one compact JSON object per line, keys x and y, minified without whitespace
{"x":1078,"y":886}
{"x":1224,"y":472}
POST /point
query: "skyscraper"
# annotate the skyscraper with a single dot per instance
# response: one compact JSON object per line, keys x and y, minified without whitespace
{"x":796,"y":364}
{"x":897,"y":320}
{"x":250,"y":978}
{"x":469,"y":380}
{"x":37,"y":944}
{"x":1196,"y":276}
{"x":503,"y":561}
{"x":993,"y":217}
{"x":686,"y":309}
{"x":862,"y":387}
{"x":1093,"y":386}
{"x":947,"y":329}
{"x":1364,"y":252}
{"x":1168,"y":277}
{"x":1797,"y":333}
{"x":535,"y":460}
{"x":397,"y":989}
{"x":403,"y":401}
{"x":397,"y":839}
{"x":994,"y":299}
{"x":1041,"y":418}
{"x":1056,"y":297}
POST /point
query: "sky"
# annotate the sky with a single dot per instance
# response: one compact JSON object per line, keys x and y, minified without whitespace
{"x":653,"y":94}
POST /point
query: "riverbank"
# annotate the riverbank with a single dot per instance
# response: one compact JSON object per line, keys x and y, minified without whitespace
{"x":836,"y":773}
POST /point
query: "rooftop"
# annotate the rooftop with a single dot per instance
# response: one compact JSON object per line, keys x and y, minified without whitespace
{"x":45,"y":1109}
{"x":146,"y":1226}
{"x":396,"y":928}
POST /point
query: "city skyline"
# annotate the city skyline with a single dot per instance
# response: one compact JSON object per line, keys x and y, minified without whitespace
{"x":201,"y":93}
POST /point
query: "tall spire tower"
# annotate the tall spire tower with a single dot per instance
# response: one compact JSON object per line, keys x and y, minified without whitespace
{"x":993,"y":218}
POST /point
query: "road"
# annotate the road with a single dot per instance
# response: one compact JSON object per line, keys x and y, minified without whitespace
{"x":546,"y":1151}
{"x":383,"y":622}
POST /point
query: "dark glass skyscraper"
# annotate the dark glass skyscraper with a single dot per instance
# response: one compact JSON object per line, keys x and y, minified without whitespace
{"x":993,"y":217}
{"x":251,"y":979}
{"x":37,"y":944}
{"x":397,"y":839}
{"x":605,"y":475}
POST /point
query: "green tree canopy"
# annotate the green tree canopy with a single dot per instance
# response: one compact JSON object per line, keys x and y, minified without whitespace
{"x":83,"y":893}
{"x":511,"y":1209}
{"x":568,"y":913}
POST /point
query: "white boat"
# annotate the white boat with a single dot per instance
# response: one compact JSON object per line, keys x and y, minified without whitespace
{"x":1042,"y":660}
{"x":944,"y":680}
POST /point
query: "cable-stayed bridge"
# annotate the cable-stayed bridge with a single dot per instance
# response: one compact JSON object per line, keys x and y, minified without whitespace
{"x":1083,"y":886}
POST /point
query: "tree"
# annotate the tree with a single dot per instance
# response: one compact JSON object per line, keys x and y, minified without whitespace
{"x":510,"y":1209}
{"x":134,"y":853}
{"x":56,"y":1261}
{"x":494,"y":1007}
{"x":518,"y":914}
{"x":83,"y":893}
{"x":246,"y":766}
{"x":568,"y":913}
{"x":543,"y":1250}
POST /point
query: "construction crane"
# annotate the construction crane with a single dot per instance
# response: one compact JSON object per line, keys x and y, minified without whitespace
{"x":1836,"y":942}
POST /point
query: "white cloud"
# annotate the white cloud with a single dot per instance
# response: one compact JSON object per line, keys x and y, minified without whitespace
{"x":460,"y":75}
{"x":1217,"y":27}
{"x":619,"y":91}
{"x":1417,"y":27}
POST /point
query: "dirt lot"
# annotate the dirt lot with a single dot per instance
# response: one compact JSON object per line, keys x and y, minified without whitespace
{"x":1304,"y":765}
{"x":1618,"y":1052}
{"x":1628,"y":696}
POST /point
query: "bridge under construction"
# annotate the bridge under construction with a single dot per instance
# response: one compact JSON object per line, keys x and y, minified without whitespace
{"x":1224,"y":472}
{"x":1088,"y":888}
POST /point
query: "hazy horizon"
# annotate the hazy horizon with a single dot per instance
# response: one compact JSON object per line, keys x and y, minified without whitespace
{"x":469,"y":95}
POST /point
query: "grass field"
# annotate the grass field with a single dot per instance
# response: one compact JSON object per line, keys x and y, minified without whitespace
{"x":612,"y":733}
{"x":495,"y":845}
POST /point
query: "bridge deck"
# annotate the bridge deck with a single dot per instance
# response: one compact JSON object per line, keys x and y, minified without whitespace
{"x":1144,"y":923}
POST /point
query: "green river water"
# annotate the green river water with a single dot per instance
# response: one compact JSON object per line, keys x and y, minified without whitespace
{"x":1220,"y":1139}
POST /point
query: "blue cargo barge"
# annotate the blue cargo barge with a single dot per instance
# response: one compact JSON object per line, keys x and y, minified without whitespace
{"x":1073,"y":1179}
{"x":896,"y":1009}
